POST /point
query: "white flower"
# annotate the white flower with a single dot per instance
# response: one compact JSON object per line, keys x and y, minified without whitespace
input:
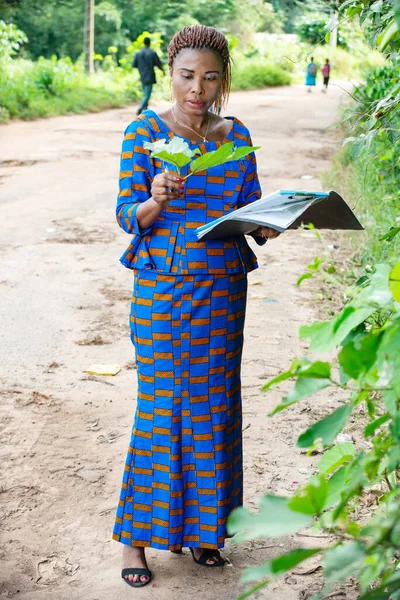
{"x":157,"y":146}
{"x":176,"y":146}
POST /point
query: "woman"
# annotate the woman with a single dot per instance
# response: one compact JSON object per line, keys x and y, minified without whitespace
{"x":311,"y":74}
{"x":183,"y":473}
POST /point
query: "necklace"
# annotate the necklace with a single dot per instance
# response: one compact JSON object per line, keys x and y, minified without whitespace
{"x":187,"y":126}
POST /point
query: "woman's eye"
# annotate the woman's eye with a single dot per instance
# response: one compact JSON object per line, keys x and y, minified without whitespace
{"x":210,"y":78}
{"x":186,"y":76}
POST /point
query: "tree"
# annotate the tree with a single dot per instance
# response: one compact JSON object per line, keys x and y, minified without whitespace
{"x":88,"y":44}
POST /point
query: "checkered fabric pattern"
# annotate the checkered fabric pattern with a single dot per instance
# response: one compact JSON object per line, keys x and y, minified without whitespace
{"x":171,"y":245}
{"x":183,"y":474}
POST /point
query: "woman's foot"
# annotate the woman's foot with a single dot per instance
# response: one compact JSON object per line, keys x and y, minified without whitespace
{"x":206,"y":557}
{"x":134,"y":558}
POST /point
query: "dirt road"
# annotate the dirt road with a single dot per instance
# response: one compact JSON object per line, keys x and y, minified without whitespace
{"x":64,"y":305}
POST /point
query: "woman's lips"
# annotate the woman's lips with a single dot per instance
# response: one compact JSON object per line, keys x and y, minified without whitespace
{"x":195,"y":104}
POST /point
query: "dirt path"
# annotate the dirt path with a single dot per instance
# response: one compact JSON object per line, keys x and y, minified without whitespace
{"x":65,"y":302}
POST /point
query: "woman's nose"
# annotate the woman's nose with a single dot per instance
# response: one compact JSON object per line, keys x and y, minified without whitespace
{"x":197,"y":86}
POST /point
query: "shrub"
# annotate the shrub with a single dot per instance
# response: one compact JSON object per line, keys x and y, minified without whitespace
{"x":51,"y":87}
{"x":255,"y":73}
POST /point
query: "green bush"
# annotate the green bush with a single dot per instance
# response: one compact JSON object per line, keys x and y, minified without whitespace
{"x":51,"y":87}
{"x":314,"y":29}
{"x":367,"y":171}
{"x":255,"y":73}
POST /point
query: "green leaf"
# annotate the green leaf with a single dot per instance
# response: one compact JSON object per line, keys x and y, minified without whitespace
{"x":311,"y":377}
{"x":327,"y":429}
{"x":358,"y":356}
{"x":176,"y":152}
{"x":212,"y":159}
{"x":381,"y":593}
{"x":279,"y":565}
{"x":372,"y":427}
{"x":393,"y":459}
{"x":394,"y":280}
{"x":223,"y":154}
{"x":343,"y":377}
{"x":311,"y":499}
{"x":394,"y":428}
{"x":304,"y":387}
{"x":390,"y":401}
{"x":274,"y":519}
{"x":396,"y":6}
{"x":253,"y":589}
{"x":355,"y":479}
{"x":302,"y":368}
{"x":336,"y":457}
{"x":328,"y":37}
{"x":337,"y":484}
{"x":178,"y":160}
{"x":387,"y":35}
{"x":343,"y":561}
{"x":325,"y":336}
{"x":353,"y":11}
{"x":243,"y":151}
{"x":389,"y":235}
{"x":303,"y":277}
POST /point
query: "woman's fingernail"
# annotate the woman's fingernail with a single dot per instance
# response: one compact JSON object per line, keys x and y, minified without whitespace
{"x":181,"y":188}
{"x":178,"y":179}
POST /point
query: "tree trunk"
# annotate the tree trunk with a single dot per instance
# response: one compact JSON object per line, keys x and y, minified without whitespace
{"x":334,"y":25}
{"x":88,"y":44}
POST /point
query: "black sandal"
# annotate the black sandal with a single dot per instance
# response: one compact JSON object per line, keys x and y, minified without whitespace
{"x":133,"y":571}
{"x":205,"y":556}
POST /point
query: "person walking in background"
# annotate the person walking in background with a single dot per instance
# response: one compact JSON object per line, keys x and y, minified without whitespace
{"x":326,"y":70}
{"x":145,"y":60}
{"x":311,"y":74}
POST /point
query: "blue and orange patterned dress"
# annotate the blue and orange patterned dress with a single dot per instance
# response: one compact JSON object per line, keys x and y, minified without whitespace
{"x":183,"y":473}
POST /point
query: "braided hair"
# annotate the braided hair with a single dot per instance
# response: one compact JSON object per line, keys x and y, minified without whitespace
{"x":202,"y":37}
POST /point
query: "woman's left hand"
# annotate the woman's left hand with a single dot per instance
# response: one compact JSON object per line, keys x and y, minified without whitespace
{"x":266,"y":232}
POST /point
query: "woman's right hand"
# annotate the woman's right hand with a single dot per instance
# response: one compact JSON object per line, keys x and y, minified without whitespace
{"x":166,"y":187}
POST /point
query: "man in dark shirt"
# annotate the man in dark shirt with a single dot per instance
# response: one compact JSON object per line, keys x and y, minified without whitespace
{"x":145,"y":60}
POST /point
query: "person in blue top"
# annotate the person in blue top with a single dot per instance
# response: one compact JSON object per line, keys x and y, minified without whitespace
{"x":311,"y":74}
{"x":183,"y":474}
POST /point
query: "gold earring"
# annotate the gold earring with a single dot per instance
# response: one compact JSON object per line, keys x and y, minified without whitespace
{"x":171,"y":97}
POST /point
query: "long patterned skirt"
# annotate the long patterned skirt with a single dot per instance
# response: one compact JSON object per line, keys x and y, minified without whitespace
{"x":183,"y":473}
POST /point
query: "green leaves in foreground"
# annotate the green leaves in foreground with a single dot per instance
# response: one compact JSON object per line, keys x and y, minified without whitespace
{"x":368,"y":331}
{"x":335,"y":457}
{"x":341,"y":562}
{"x":311,"y":377}
{"x":279,"y":565}
{"x":275,"y":567}
{"x":326,"y":429}
{"x":275,"y":519}
{"x":326,"y":336}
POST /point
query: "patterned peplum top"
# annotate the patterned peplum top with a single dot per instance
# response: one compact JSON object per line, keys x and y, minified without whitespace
{"x":170,"y":245}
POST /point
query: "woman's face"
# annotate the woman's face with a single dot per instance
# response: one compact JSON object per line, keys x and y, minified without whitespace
{"x":196,"y":78}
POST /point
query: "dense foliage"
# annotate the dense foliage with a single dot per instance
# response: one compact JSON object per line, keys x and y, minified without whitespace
{"x":367,"y":331}
{"x":365,"y":337}
{"x":56,"y":28}
{"x":59,"y":86}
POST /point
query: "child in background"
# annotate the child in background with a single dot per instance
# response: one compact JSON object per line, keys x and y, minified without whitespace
{"x":326,"y":69}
